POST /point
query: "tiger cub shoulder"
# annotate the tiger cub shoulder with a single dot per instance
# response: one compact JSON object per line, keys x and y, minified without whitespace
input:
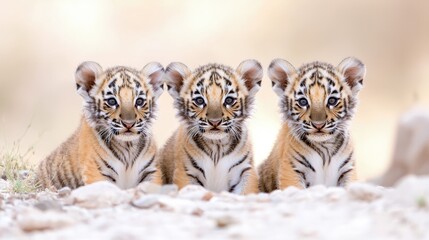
{"x":114,"y":140}
{"x":317,"y":102}
{"x":212,"y":147}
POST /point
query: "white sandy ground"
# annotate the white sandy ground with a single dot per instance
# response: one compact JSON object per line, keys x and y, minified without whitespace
{"x":102,"y":211}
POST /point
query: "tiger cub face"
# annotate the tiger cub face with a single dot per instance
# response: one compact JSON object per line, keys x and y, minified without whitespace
{"x":318,"y":99}
{"x":214,"y":100}
{"x":120,"y":101}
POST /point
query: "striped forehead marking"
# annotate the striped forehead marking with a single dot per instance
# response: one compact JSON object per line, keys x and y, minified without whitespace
{"x":128,"y":76}
{"x":117,"y":78}
{"x":320,"y":74}
{"x":214,"y":73}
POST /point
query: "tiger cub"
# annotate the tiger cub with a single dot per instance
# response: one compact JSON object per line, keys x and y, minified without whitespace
{"x":212,"y":146}
{"x":313,"y":147}
{"x":114,"y":140}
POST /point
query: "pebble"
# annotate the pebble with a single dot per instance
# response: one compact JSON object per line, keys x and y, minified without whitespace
{"x":23,"y":174}
{"x":146,"y":201}
{"x":364,"y":192}
{"x":46,"y":205}
{"x":207,"y":196}
{"x":45,"y":196}
{"x":193,"y":192}
{"x":35,"y":220}
{"x":64,"y":192}
{"x":148,"y":187}
{"x":169,"y":189}
{"x":99,"y":195}
{"x":224,"y":221}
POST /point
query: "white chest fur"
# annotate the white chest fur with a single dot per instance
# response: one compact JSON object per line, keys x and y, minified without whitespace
{"x":224,"y":175}
{"x":128,"y":177}
{"x":327,"y":174}
{"x":324,"y":166}
{"x":127,"y":165}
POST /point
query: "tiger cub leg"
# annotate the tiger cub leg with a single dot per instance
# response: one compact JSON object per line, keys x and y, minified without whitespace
{"x":180,"y":178}
{"x":251,"y":183}
{"x":352,"y":177}
{"x":288,"y":177}
{"x":91,"y":173}
{"x":156,"y":177}
{"x":267,"y":178}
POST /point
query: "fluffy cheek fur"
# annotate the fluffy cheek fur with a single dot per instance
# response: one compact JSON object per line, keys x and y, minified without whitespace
{"x":189,"y":113}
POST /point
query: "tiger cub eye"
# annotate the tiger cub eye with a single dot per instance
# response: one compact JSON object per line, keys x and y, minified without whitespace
{"x":303,"y":102}
{"x":229,"y":100}
{"x":112,"y":102}
{"x":139,"y":102}
{"x":332,"y":101}
{"x":199,"y":100}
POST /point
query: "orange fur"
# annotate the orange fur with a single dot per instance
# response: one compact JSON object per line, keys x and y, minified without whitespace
{"x":313,"y":145}
{"x":113,"y":141}
{"x":212,"y":147}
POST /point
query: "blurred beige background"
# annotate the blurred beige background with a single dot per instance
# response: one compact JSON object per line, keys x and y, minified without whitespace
{"x":42,"y":42}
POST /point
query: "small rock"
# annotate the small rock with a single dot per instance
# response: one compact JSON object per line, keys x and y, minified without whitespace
{"x":23,"y":174}
{"x":334,"y":194}
{"x":35,"y":220}
{"x":197,"y":212}
{"x":148,"y":187}
{"x":64,"y":192}
{"x":364,"y":192}
{"x":206,"y":197}
{"x":31,"y":195}
{"x":224,"y":221}
{"x":48,"y":205}
{"x":146,"y":201}
{"x":260,"y":197}
{"x":99,"y":195}
{"x":193,"y":192}
{"x":45,"y":196}
{"x":169,"y":189}
{"x":316,"y":191}
{"x":282,"y":195}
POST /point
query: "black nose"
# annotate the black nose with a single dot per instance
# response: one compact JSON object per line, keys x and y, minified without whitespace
{"x":128,"y":124}
{"x":215,"y":122}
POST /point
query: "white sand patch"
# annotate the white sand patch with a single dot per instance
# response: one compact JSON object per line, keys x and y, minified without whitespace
{"x":361,"y":211}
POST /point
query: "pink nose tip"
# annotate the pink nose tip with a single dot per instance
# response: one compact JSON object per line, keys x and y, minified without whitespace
{"x":318,"y":125}
{"x":215,"y":122}
{"x":128,"y":124}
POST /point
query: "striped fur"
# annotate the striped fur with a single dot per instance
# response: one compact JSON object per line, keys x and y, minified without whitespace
{"x":212,"y":147}
{"x":114,"y":140}
{"x":313,"y":147}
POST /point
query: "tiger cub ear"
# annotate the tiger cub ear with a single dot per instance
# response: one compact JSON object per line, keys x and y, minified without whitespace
{"x":154,"y":74}
{"x":86,"y":75}
{"x":251,"y":72}
{"x":176,"y":73}
{"x":281,"y":73}
{"x":354,"y":72}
